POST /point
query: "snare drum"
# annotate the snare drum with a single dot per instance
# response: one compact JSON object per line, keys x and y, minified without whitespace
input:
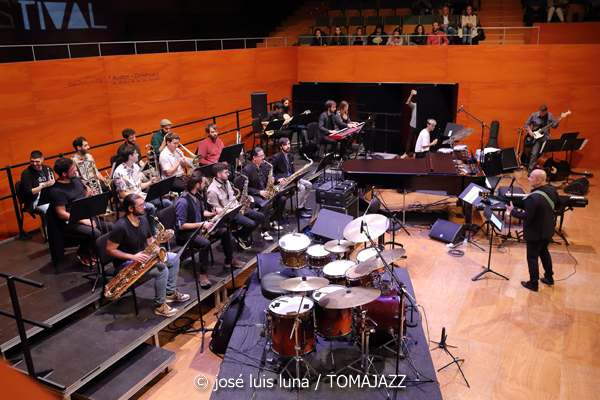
{"x":354,"y":279}
{"x":335,"y":271}
{"x":366,"y":254}
{"x":282,"y":313}
{"x":318,"y":257}
{"x":384,"y":312}
{"x":331,"y":323}
{"x":445,"y":150}
{"x":292,"y":249}
{"x":461,"y":150}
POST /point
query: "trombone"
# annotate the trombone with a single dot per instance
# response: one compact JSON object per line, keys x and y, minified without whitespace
{"x":194,"y":160}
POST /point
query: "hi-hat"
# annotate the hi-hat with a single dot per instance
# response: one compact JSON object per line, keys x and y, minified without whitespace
{"x":339,"y":246}
{"x":374,"y":263}
{"x":350,"y":297}
{"x":463,"y":133}
{"x":304,"y":283}
{"x":375,"y":224}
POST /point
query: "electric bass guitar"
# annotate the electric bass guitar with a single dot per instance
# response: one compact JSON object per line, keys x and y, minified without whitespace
{"x":529,"y":140}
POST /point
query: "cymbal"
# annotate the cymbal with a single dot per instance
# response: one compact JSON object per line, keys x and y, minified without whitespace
{"x":339,"y":246}
{"x":375,"y":263}
{"x":463,"y":133}
{"x":350,"y":297}
{"x":304,"y":283}
{"x":375,"y":224}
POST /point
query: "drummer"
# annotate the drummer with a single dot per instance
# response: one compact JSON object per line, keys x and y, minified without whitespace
{"x":423,"y":141}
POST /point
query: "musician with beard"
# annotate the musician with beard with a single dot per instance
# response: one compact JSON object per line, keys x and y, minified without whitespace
{"x":436,"y":37}
{"x":536,"y":121}
{"x":126,"y":244}
{"x":82,"y":148}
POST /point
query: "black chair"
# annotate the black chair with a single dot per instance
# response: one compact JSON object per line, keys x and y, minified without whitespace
{"x":21,"y":201}
{"x":257,"y":129}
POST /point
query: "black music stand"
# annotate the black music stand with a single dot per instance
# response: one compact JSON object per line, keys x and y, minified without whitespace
{"x":225,"y":221}
{"x":495,"y":223}
{"x":571,"y":145}
{"x":207,"y":170}
{"x":230,"y":154}
{"x":325,"y":161}
{"x":471,"y":195}
{"x":553,"y":145}
{"x":455,"y":360}
{"x":88,"y":208}
{"x":367,"y":127}
{"x":274,"y":125}
{"x":159,"y":189}
{"x":293,"y":185}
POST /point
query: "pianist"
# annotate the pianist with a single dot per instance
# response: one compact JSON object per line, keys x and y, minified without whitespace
{"x":423,"y":141}
{"x":329,"y":123}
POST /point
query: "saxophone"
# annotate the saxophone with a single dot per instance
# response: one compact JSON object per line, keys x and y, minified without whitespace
{"x":245,"y":200}
{"x":216,"y":218}
{"x":281,"y":186}
{"x":134,"y":271}
{"x":270,"y":189}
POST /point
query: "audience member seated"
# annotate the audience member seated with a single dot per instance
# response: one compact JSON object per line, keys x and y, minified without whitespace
{"x":468,"y":23}
{"x":129,"y":136}
{"x":338,"y":39}
{"x":210,"y":148}
{"x":158,"y":139}
{"x":377,"y":38}
{"x":422,"y":7}
{"x":395,"y":39}
{"x":419,"y":37}
{"x":534,"y":11}
{"x":318,"y":39}
{"x":33,"y":179}
{"x":448,"y":23}
{"x":558,"y":6}
{"x":436,"y":37}
{"x":357,"y":38}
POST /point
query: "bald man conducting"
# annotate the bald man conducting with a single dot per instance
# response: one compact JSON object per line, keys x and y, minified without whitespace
{"x":538,"y":227}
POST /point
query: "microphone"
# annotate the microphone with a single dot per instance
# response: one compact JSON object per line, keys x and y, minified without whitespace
{"x":510,"y":188}
{"x":460,"y":109}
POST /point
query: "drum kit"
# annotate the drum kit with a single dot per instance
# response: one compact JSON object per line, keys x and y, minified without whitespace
{"x":346,"y":300}
{"x":458,"y":150}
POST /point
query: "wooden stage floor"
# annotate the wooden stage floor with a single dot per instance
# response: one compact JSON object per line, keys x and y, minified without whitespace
{"x":517,"y":344}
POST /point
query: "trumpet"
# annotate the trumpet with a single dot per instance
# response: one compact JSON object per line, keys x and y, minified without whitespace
{"x":194,"y":160}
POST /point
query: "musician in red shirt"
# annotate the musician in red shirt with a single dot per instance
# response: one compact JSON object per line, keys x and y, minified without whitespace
{"x":211,"y":147}
{"x":437,"y":37}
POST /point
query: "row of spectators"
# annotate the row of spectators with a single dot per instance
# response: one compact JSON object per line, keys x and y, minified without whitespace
{"x":538,"y":11}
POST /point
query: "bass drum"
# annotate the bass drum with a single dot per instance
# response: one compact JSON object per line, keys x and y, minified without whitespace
{"x":292,"y":249}
{"x":282,"y":313}
{"x":384,"y":312}
{"x":331,"y":323}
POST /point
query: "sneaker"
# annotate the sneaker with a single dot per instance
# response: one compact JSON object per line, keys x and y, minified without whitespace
{"x":276,"y":226}
{"x":83,"y":258}
{"x":235,"y":263}
{"x":244,"y":243}
{"x":266,"y":237}
{"x":165,"y":310}
{"x":204,"y":281}
{"x":404,"y":155}
{"x":177,"y":296}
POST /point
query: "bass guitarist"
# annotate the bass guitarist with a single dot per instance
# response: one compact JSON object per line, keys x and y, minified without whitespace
{"x":538,"y":120}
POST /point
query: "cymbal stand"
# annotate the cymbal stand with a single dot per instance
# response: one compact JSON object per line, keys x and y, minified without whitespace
{"x":297,"y":358}
{"x":393,"y":219}
{"x":483,"y":126}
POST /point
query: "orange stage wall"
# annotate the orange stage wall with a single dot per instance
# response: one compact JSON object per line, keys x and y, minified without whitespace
{"x":45,"y":105}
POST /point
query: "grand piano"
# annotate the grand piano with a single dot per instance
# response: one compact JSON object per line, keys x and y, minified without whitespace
{"x":436,"y":173}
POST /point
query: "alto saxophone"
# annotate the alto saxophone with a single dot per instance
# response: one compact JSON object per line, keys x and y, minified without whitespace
{"x":270,"y":189}
{"x":281,"y":186}
{"x":134,"y":271}
{"x":245,"y":200}
{"x":214,"y":220}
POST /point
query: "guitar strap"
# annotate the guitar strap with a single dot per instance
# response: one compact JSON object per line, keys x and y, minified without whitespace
{"x":545,"y":195}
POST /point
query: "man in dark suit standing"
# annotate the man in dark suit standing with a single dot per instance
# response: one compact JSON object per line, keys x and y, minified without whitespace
{"x":328,"y":123}
{"x":538,"y":227}
{"x":283,"y":162}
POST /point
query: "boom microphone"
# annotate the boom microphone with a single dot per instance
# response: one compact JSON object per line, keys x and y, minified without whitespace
{"x":460,"y":109}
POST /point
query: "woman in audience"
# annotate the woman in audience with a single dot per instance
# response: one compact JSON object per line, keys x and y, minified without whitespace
{"x":378,"y":36}
{"x":468,"y":21}
{"x":357,"y":38}
{"x":418,"y":37}
{"x":337,"y":39}
{"x":395,"y":39}
{"x":318,"y":39}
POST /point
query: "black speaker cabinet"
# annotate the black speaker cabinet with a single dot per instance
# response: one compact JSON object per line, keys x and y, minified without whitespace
{"x":578,"y":187}
{"x":259,"y":104}
{"x":447,"y":232}
{"x":350,"y":209}
{"x":493,"y":163}
{"x":509,"y":159}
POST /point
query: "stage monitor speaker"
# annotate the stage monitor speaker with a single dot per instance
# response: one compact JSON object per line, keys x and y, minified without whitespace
{"x":578,"y":187}
{"x":351,"y":208}
{"x":447,"y":232}
{"x":259,"y":104}
{"x":493,"y":163}
{"x":493,"y":140}
{"x":509,"y":159}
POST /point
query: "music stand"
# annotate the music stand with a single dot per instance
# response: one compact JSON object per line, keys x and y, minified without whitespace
{"x":326,"y":160}
{"x":159,"y":189}
{"x":472,"y":197}
{"x":225,"y":221}
{"x":88,"y":208}
{"x":293,"y":185}
{"x":494,"y":223}
{"x":230,"y":154}
{"x":570,"y":135}
{"x":368,"y":125}
{"x":274,"y":125}
{"x":207,"y":170}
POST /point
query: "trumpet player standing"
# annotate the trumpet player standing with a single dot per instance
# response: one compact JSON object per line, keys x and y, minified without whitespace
{"x":128,"y":179}
{"x":192,"y":212}
{"x":210,"y":148}
{"x":82,"y":155}
{"x":172,"y":162}
{"x":126,"y":244}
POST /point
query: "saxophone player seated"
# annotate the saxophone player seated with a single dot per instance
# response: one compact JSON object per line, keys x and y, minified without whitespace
{"x":192,"y":212}
{"x":283,"y":164}
{"x":127,"y":243}
{"x":220,"y":193}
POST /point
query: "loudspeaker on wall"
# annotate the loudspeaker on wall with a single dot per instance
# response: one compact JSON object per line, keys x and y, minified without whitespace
{"x":259,"y":104}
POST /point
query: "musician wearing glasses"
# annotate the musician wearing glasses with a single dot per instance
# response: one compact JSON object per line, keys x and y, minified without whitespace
{"x":193,"y":212}
{"x":33,"y":179}
{"x":68,"y":188}
{"x":172,"y":161}
{"x":536,"y":121}
{"x":283,"y":163}
{"x":126,"y":244}
{"x":81,"y":156}
{"x":210,"y":148}
{"x":128,"y":178}
{"x":159,"y":139}
{"x":129,"y":136}
{"x":220,"y":193}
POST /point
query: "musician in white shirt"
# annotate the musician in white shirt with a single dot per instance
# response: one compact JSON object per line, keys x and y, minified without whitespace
{"x":422,"y":146}
{"x":172,"y":160}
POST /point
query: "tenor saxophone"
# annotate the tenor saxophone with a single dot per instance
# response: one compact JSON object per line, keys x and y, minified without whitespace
{"x":270,"y":189}
{"x":134,"y":271}
{"x":245,"y":200}
{"x":281,"y":186}
{"x":216,"y":218}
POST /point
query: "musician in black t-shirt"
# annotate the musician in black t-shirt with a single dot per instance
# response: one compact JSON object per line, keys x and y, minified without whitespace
{"x":129,"y":136}
{"x":126,"y":244}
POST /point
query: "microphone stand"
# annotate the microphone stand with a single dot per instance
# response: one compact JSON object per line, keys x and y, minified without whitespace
{"x":509,"y":235}
{"x":395,"y":219}
{"x":483,"y":126}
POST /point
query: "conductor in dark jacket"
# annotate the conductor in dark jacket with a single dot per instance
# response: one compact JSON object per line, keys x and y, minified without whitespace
{"x":538,"y":227}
